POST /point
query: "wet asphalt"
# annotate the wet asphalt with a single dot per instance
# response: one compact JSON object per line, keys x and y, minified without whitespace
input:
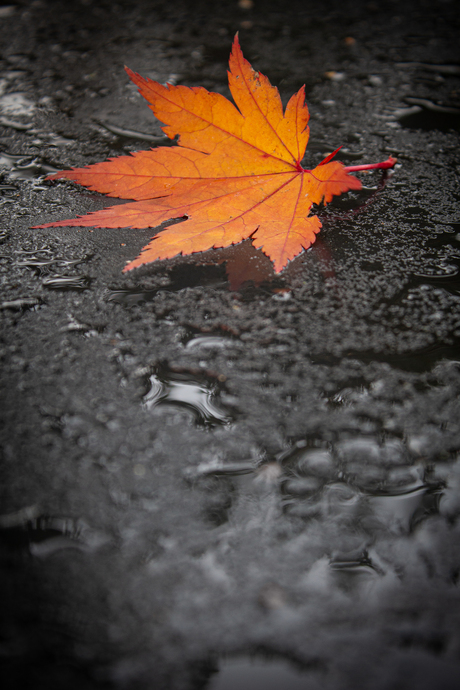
{"x":215,"y":477}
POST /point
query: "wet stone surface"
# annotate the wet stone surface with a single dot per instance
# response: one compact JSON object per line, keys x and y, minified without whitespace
{"x":212,"y":476}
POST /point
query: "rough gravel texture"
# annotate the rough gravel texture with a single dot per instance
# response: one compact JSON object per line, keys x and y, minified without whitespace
{"x":202,"y":459}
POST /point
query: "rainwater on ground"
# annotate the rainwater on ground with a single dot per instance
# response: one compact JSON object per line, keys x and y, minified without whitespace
{"x":213,"y":476}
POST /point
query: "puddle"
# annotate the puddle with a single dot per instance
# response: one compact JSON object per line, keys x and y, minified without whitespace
{"x":247,"y":266}
{"x":207,"y":342}
{"x":256,"y":673}
{"x":8,"y":190}
{"x":41,"y":260}
{"x":43,"y":263}
{"x":416,"y":361}
{"x":130,"y":298}
{"x":23,"y":167}
{"x":21,"y":303}
{"x":401,"y":511}
{"x":179,"y":278}
{"x":449,"y":70}
{"x":446,"y":276}
{"x":363,"y":478}
{"x":197,"y":397}
{"x":219,"y":340}
{"x":303,"y":461}
{"x":80,"y":282}
{"x":220,"y":469}
{"x":239,"y":267}
{"x":16,"y":104}
{"x":439,"y":271}
{"x":134,"y":134}
{"x":361,"y":564}
{"x":351,"y":573}
{"x":427,"y":115}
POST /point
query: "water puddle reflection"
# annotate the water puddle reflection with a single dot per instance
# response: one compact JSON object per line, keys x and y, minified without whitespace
{"x":240,"y":267}
{"x":21,"y":304}
{"x":41,"y":260}
{"x":363,"y":480}
{"x":417,"y":361}
{"x":400,"y":511}
{"x":425,"y":114}
{"x":179,"y":278}
{"x":24,"y":167}
{"x":44,"y":262}
{"x":198,"y":398}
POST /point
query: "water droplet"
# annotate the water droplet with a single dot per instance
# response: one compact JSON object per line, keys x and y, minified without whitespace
{"x":200,"y":398}
{"x":425,"y":114}
{"x":362,"y":450}
{"x":16,"y":104}
{"x":218,"y":468}
{"x":75,"y":326}
{"x":130,"y":297}
{"x":67,"y":283}
{"x":8,"y":189}
{"x":315,"y":462}
{"x":340,"y":499}
{"x":209,"y":342}
{"x":301,"y":487}
{"x":396,"y":511}
{"x":21,"y":303}
{"x":438,"y":271}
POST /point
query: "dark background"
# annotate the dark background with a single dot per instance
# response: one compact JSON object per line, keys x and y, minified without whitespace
{"x":202,"y":459}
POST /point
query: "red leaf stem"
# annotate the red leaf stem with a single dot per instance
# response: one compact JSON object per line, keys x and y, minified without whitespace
{"x":384,"y":165}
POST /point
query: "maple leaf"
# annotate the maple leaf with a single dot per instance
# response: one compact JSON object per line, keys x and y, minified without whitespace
{"x":235,"y":174}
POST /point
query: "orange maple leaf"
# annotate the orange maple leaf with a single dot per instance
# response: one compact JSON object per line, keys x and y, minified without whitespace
{"x":235,"y":174}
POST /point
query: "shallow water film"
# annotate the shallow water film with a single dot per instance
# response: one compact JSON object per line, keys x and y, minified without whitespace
{"x":215,"y":477}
